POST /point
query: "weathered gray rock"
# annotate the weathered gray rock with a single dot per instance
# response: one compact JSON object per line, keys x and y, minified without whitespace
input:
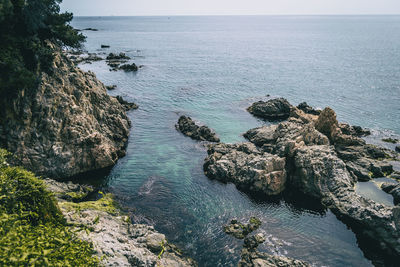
{"x":241,"y":230}
{"x":323,"y":159}
{"x":189,"y":128}
{"x":274,"y":109}
{"x":66,"y":126}
{"x":321,"y":174}
{"x":247,"y":167}
{"x":116,"y":241}
{"x":394,"y":190}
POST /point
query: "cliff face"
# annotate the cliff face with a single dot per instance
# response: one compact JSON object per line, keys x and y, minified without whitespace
{"x":66,"y":126}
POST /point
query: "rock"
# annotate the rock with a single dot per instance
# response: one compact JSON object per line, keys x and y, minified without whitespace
{"x":189,"y":128}
{"x":129,"y":67}
{"x":67,"y":125}
{"x":353,"y":130}
{"x":327,"y":123}
{"x":240,"y":230}
{"x":119,"y":56}
{"x":274,"y":109}
{"x":256,"y":258}
{"x":127,"y":105}
{"x":308,"y":109}
{"x":319,"y":161}
{"x":68,"y":191}
{"x":397,"y":149}
{"x":111,"y":87}
{"x":390,"y":140}
{"x":116,"y":241}
{"x":105,"y":46}
{"x":90,"y":29}
{"x":247,"y":167}
{"x":394,"y":190}
{"x":321,"y":174}
{"x":262,"y":135}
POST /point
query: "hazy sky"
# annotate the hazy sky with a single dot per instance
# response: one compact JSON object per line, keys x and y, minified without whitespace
{"x":228,"y":7}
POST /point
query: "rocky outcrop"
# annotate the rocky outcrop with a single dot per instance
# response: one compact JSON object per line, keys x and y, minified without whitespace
{"x":240,"y":230}
{"x":394,"y":190}
{"x":250,"y":256}
{"x":274,"y":109}
{"x":308,"y":109}
{"x":116,"y":241}
{"x":127,"y":105}
{"x":66,"y":126}
{"x":248,"y":167}
{"x":189,"y":128}
{"x":323,"y":159}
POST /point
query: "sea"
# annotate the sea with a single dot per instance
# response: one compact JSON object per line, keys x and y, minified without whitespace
{"x":212,"y":68}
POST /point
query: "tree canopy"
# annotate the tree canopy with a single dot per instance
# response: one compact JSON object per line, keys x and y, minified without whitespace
{"x":25,"y":28}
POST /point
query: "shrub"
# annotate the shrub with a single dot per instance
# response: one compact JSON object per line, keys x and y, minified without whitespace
{"x":32,"y":228}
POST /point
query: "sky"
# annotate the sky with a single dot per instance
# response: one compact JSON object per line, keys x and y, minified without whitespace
{"x":228,"y":7}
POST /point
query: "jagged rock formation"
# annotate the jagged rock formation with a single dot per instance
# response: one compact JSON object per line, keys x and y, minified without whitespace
{"x":66,"y":126}
{"x":250,"y":256}
{"x":189,"y":128}
{"x":324,"y":159}
{"x":117,"y":242}
{"x":247,"y":167}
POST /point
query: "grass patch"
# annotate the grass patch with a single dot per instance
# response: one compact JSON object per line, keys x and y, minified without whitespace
{"x":33,"y":231}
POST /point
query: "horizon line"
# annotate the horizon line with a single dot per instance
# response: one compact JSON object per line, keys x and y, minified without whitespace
{"x":241,"y":15}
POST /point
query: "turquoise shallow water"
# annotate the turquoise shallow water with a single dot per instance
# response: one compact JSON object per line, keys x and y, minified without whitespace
{"x":213,"y":68}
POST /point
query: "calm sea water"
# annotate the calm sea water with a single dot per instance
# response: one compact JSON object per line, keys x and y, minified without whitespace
{"x":212,"y":69}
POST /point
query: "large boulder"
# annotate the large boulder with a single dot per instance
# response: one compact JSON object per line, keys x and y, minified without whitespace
{"x":65,"y":126}
{"x":321,"y":174}
{"x":189,"y":128}
{"x":274,"y":109}
{"x":247,"y":167}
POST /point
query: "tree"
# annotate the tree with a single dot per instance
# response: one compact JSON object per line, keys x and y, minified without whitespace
{"x":25,"y":28}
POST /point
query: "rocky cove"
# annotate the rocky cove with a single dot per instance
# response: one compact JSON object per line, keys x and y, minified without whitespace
{"x":303,"y":155}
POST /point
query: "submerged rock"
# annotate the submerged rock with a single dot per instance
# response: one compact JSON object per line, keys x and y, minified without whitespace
{"x":189,"y":128}
{"x":274,"y":109}
{"x":127,"y":105}
{"x":65,"y":126}
{"x":105,"y":46}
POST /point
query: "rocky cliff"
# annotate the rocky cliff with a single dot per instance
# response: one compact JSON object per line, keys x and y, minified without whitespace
{"x":65,"y":126}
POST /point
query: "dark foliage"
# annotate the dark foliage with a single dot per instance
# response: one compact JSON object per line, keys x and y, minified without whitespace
{"x":27,"y":27}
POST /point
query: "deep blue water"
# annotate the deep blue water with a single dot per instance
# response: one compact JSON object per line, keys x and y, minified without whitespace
{"x":213,"y":68}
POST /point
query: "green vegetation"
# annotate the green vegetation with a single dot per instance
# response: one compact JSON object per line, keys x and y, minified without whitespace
{"x":32,"y":229}
{"x":106,"y":203}
{"x":27,"y":30}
